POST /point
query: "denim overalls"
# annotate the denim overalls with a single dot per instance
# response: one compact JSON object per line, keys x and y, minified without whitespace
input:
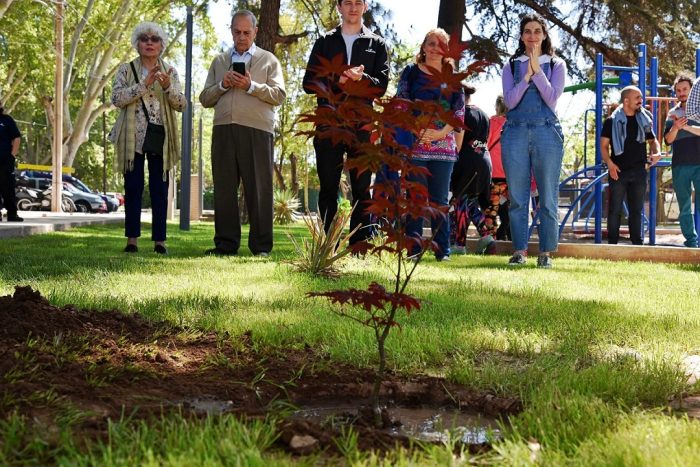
{"x":532,"y":142}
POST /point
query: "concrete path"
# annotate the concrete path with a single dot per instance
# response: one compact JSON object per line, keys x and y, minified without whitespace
{"x":666,"y":253}
{"x":37,"y":222}
{"x":669,"y":247}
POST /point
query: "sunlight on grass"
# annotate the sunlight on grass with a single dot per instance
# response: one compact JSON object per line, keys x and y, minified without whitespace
{"x":588,"y":345}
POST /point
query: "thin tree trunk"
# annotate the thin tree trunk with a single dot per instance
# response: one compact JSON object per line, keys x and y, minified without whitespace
{"x":280,"y":177}
{"x":378,"y":379}
{"x":295,"y":177}
{"x":4,"y":5}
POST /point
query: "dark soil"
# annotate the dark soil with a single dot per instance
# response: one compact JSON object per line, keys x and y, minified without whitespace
{"x":107,"y":363}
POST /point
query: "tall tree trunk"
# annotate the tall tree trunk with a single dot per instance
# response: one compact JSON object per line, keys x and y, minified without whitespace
{"x":268,"y":27}
{"x":451,"y":16}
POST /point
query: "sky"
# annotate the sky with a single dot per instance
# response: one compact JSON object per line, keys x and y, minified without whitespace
{"x":411,"y":25}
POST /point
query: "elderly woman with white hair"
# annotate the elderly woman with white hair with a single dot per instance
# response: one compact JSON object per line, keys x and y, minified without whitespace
{"x":148,"y":93}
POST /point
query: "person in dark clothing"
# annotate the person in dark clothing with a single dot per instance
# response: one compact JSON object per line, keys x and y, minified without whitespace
{"x":471,"y":181}
{"x":10,"y":138}
{"x":627,"y":131}
{"x":367,"y":56}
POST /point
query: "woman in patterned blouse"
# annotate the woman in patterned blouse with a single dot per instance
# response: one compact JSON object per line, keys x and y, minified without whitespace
{"x":436,"y":150}
{"x":148,"y":92}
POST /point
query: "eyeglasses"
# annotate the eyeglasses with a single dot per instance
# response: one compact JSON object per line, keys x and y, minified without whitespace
{"x":153,"y":39}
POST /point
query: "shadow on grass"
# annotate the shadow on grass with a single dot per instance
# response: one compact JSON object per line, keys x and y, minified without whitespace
{"x":99,"y":248}
{"x":451,"y":308}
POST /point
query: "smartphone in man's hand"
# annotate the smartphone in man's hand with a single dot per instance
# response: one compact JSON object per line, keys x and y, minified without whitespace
{"x":238,"y":67}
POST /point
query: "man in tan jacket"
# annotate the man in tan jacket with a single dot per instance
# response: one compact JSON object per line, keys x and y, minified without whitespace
{"x":244,"y":85}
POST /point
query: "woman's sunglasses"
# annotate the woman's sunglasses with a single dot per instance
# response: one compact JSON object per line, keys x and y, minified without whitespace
{"x":153,"y":39}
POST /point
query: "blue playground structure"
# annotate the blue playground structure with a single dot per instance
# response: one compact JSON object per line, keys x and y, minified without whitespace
{"x":586,"y":186}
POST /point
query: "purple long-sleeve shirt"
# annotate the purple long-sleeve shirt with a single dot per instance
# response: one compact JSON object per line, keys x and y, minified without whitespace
{"x":550,"y":90}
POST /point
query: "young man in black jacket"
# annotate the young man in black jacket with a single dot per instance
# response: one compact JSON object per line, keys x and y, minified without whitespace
{"x":367,"y":56}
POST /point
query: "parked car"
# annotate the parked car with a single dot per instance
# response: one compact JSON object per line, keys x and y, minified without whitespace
{"x":88,"y":203}
{"x":118,"y":196}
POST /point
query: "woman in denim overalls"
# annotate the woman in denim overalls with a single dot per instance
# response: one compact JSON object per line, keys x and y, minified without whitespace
{"x":532,"y":141}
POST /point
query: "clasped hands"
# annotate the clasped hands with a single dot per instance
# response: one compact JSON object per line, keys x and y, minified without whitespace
{"x":430,"y":135}
{"x":156,"y":75}
{"x":352,"y":74}
{"x":534,"y":62}
{"x":234,"y":79}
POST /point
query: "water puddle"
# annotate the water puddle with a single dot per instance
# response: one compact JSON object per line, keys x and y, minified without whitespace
{"x":207,"y":406}
{"x":423,"y":424}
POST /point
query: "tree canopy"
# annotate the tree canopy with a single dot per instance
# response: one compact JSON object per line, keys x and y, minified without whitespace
{"x":587,"y":27}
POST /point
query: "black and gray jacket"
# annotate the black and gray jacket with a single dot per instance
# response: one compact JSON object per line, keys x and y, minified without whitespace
{"x":369,"y":50}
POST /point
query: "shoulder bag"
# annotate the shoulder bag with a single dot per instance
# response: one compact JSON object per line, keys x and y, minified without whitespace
{"x":155,"y":134}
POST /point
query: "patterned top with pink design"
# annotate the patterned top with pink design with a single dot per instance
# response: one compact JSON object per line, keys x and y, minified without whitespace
{"x":415,"y":84}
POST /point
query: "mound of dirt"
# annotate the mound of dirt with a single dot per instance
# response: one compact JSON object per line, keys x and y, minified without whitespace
{"x":106,"y":363}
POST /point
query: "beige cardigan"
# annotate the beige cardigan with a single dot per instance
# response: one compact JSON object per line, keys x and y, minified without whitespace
{"x":234,"y":105}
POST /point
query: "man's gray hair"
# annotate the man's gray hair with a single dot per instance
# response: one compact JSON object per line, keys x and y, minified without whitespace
{"x":148,"y":28}
{"x":247,"y":13}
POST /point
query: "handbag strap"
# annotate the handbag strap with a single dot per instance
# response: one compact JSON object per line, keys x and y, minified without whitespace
{"x":136,"y":78}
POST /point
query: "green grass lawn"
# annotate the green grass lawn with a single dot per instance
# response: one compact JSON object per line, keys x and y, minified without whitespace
{"x":593,"y":348}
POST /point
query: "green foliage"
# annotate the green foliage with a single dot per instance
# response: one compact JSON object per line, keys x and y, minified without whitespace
{"x":97,"y":39}
{"x":344,"y":205}
{"x":320,"y":253}
{"x":611,"y":27}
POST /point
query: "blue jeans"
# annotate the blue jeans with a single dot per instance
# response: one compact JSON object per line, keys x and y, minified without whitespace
{"x":683,"y":177}
{"x":133,"y":195}
{"x":630,"y":186}
{"x":533,"y":147}
{"x":438,"y":183}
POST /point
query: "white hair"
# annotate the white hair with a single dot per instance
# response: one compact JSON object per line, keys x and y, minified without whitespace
{"x":148,"y":28}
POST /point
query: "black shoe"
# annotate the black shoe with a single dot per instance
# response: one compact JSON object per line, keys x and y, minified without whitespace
{"x":544,"y":262}
{"x":14,"y":218}
{"x":219,"y":252}
{"x":160,"y":249}
{"x":131,"y":248}
{"x":518,"y":259}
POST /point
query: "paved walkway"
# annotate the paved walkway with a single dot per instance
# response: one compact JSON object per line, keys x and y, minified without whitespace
{"x":669,"y":248}
{"x":37,"y":222}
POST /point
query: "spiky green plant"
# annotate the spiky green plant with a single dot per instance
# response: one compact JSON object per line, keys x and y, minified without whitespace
{"x":321,"y":253}
{"x":286,"y":205}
